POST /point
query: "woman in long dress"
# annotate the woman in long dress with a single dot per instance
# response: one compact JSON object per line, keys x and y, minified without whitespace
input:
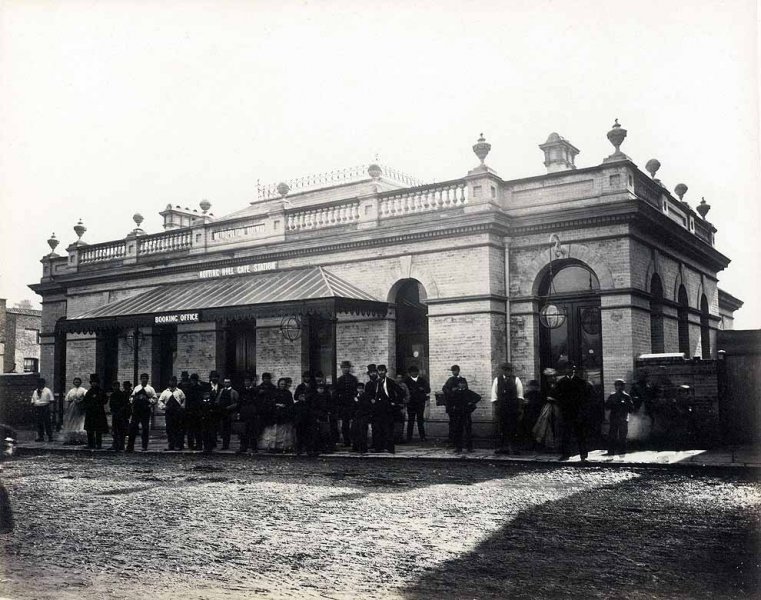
{"x":547,"y":429}
{"x":73,"y":426}
{"x":283,"y":416}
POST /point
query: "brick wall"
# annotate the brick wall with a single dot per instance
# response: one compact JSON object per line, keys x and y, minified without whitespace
{"x":702,"y":377}
{"x":196,"y":349}
{"x":15,"y":399}
{"x":276,"y":355}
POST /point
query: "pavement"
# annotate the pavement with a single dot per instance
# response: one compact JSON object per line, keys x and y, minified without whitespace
{"x":726,"y":457}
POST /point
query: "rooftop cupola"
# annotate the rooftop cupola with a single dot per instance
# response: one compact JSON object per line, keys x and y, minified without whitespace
{"x":559,"y":153}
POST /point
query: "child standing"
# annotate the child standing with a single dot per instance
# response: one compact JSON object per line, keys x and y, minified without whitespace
{"x":620,"y":404}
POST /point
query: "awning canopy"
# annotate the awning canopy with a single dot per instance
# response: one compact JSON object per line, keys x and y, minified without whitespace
{"x":312,"y":290}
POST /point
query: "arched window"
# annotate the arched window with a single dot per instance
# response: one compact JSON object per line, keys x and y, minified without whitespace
{"x":683,"y":322}
{"x":656,"y":315}
{"x":705,"y":332}
{"x":570,"y":279}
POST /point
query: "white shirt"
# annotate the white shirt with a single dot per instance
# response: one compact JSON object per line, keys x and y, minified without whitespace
{"x":178,"y":394}
{"x":148,"y":390}
{"x":42,"y":398}
{"x":495,"y":387}
{"x":76,"y":394}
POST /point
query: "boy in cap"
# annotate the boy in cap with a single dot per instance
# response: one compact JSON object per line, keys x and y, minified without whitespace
{"x":620,"y":405}
{"x":362,"y":412}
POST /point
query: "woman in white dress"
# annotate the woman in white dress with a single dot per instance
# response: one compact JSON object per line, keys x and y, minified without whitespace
{"x":73,"y":426}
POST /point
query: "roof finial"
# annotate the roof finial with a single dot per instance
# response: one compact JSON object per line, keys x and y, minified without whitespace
{"x":481,"y":148}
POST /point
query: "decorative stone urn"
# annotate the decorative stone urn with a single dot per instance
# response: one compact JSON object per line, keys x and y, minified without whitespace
{"x":53,"y":243}
{"x":283,"y":189}
{"x":481,"y":148}
{"x":703,"y":208}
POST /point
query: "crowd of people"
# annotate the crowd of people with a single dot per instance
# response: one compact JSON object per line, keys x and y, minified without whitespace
{"x":316,"y":417}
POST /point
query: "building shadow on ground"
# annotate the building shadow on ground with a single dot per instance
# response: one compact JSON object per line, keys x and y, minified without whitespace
{"x":637,"y":539}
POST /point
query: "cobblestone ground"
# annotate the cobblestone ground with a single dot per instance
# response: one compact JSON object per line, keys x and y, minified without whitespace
{"x":142,"y":526}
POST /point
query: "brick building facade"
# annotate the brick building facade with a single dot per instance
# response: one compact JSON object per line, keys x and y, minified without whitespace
{"x":595,"y":265}
{"x":19,"y":338}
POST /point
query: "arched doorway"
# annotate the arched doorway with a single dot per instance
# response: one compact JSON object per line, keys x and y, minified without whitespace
{"x":570,"y":328}
{"x":411,"y":326}
{"x":570,"y":331}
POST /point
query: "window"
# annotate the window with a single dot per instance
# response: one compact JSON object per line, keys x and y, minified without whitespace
{"x":31,"y":365}
{"x":656,"y":315}
{"x":705,"y":331}
{"x":683,"y":323}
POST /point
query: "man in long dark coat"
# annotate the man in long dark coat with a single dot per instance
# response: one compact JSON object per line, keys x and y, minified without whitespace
{"x":345,"y":392}
{"x":574,"y":394}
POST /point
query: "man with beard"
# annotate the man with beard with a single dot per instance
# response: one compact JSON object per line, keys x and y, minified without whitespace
{"x":387,"y":398}
{"x":507,"y":396}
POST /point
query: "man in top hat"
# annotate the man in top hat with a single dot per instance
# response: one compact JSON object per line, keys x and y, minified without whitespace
{"x":448,"y":388}
{"x":507,"y":397}
{"x":345,"y":392}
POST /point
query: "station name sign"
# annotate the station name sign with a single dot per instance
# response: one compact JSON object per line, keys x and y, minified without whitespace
{"x":178,"y":318}
{"x":239,"y":270}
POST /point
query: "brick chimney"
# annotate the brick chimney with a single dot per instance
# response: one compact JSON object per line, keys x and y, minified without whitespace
{"x":559,"y":154}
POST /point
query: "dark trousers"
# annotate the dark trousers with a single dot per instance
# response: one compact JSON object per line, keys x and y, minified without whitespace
{"x":619,"y":429}
{"x":250,"y":435}
{"x":383,"y":433}
{"x":208,"y":436}
{"x":44,"y":426}
{"x":462,"y":429}
{"x":94,"y":439}
{"x":225,"y":430}
{"x":508,"y":430}
{"x":359,"y":433}
{"x":119,"y":427}
{"x":305,"y":434}
{"x":415,"y":413}
{"x":346,"y":427}
{"x":574,"y":426}
{"x":142,"y":422}
{"x":194,"y":431}
{"x":174,"y":430}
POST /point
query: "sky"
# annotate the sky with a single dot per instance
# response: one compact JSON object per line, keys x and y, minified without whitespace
{"x":108,"y":108}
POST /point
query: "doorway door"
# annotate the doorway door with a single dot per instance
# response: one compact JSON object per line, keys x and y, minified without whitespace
{"x":411,"y":327}
{"x":240,"y":354}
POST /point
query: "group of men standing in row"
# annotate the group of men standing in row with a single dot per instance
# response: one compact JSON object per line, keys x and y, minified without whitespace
{"x":319,"y":415}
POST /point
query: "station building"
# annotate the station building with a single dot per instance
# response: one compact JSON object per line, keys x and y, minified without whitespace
{"x":595,"y":265}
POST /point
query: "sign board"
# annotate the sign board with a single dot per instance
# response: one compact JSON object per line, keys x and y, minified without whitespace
{"x":239,"y":270}
{"x":175,"y":319}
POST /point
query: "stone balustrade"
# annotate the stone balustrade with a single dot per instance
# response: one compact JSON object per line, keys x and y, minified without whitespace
{"x":171,"y":241}
{"x":452,"y":194}
{"x":102,"y":252}
{"x":321,"y":217}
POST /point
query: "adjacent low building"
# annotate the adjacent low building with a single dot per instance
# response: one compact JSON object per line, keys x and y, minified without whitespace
{"x":594,"y":265}
{"x":19,"y":338}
